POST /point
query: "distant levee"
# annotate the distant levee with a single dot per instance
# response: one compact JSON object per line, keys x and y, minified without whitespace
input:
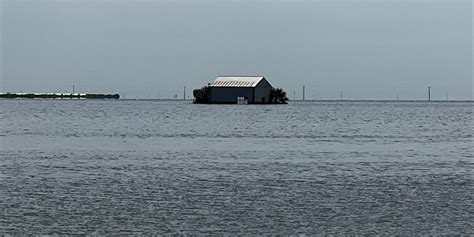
{"x":58,"y":96}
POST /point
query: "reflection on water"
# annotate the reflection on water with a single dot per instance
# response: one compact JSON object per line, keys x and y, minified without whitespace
{"x":109,"y":167}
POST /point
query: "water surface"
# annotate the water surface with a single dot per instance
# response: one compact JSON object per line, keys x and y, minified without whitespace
{"x":125,"y":166}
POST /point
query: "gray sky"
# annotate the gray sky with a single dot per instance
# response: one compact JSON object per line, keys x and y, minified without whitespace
{"x":370,"y":49}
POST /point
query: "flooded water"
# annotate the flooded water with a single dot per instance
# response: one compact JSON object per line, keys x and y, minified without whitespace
{"x":169,"y":167}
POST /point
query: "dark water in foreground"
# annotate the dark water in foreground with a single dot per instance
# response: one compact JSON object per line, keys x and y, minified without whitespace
{"x":108,"y":167}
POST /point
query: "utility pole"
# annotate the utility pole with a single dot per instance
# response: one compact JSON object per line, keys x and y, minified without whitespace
{"x":341,"y":95}
{"x":73,"y":88}
{"x":398,"y":98}
{"x":294,"y":95}
{"x":429,"y":93}
{"x":304,"y":88}
{"x":447,"y":98}
{"x":184,"y":93}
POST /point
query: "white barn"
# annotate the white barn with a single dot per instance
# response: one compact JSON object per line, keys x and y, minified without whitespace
{"x":227,"y":90}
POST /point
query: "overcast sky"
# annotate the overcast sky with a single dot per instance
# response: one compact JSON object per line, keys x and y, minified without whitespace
{"x":369,"y":49}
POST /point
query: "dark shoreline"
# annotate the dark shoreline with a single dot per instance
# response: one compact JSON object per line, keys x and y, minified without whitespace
{"x":329,"y":101}
{"x":117,"y":96}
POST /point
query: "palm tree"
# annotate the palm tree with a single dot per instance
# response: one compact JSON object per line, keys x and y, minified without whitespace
{"x":278,"y":96}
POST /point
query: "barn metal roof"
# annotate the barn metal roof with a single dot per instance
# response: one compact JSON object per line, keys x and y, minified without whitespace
{"x":236,"y":81}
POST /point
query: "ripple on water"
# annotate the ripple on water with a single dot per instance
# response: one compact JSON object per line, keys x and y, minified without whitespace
{"x":305,"y":168}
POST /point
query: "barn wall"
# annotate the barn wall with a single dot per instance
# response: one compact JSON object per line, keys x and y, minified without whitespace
{"x":230,"y":94}
{"x":263,"y":89}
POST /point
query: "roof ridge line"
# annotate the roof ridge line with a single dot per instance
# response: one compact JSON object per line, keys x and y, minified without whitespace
{"x":238,"y":76}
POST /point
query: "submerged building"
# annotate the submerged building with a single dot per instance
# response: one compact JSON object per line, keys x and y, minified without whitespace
{"x":232,"y":89}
